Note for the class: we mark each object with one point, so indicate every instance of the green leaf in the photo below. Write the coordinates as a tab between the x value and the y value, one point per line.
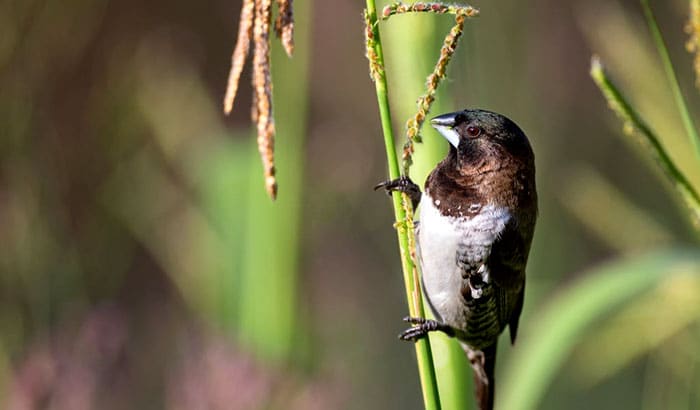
546	343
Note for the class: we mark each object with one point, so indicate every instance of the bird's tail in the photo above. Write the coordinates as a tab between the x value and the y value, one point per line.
484	365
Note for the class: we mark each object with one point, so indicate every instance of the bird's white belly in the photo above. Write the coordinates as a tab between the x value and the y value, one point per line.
441	238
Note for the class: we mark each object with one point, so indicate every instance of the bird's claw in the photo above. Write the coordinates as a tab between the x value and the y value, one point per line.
401	184
414	320
421	327
413	334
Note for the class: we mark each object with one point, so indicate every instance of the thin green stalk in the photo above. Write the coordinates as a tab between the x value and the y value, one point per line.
634	125
402	214
671	76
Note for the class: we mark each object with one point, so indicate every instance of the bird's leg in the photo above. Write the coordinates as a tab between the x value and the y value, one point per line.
483	363
402	184
478	362
421	327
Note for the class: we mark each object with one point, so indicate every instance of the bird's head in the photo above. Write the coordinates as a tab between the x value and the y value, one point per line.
478	136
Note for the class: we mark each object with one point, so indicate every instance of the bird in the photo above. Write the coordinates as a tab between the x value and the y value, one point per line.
476	222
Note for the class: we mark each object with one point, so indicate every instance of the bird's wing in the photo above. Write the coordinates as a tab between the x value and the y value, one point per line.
515	315
507	266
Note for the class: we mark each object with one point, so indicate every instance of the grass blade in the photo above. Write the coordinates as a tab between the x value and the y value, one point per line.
633	124
546	344
671	76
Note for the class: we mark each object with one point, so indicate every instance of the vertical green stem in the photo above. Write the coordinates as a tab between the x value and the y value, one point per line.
402	215
671	75
423	35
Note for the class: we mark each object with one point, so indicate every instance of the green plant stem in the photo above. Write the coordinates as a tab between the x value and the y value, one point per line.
411	43
402	213
634	124
671	76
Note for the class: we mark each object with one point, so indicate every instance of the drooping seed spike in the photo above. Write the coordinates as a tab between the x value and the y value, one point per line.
262	84
375	69
284	25
428	7
240	52
414	124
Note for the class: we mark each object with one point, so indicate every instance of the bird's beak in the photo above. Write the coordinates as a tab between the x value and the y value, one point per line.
445	125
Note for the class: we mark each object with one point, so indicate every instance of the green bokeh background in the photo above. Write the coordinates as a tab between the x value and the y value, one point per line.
142	265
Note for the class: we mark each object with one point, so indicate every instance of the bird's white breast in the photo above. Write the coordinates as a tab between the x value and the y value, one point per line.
441	238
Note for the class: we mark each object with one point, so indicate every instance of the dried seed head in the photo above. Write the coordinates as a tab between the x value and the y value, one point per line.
240	52
254	105
693	43
460	12
255	23
414	124
386	12
262	86
428	7
266	148
284	25
375	69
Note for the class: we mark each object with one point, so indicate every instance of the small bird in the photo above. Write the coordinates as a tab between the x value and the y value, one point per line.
476	222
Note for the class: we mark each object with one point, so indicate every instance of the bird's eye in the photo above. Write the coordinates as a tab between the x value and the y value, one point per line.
473	131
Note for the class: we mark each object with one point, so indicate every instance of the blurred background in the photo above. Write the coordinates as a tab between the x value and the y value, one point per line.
142	265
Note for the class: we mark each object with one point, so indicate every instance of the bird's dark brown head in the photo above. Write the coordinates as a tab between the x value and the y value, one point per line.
478	136
490	161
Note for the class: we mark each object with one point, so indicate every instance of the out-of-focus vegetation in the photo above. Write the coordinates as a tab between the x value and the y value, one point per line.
143	266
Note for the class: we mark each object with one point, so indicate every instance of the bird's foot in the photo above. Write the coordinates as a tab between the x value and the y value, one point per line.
421	327
402	184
